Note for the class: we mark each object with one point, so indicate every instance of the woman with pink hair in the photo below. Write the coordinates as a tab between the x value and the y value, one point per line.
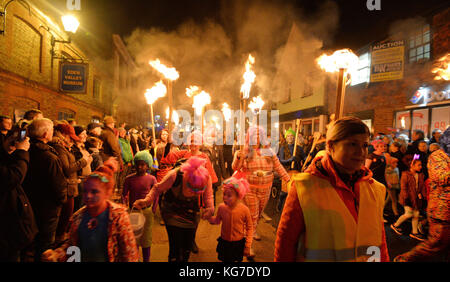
257	163
187	189
237	229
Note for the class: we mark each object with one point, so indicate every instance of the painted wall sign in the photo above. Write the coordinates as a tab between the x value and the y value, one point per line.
387	61
425	95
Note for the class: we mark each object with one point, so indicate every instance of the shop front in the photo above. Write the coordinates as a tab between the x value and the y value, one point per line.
429	109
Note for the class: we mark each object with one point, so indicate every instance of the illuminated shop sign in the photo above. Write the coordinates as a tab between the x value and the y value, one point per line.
425	95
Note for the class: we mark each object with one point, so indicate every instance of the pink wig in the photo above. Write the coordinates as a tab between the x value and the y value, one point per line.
240	185
194	169
376	142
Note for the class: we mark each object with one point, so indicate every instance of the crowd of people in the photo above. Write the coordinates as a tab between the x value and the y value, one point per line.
70	185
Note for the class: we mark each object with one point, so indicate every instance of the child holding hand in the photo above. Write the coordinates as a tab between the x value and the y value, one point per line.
237	229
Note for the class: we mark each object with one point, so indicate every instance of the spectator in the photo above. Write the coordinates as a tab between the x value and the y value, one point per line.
72	122
445	141
94	129
17	217
80	152
435	136
45	184
411	197
423	153
395	152
434	147
340	228
5	126
30	116
101	229
127	157
111	147
417	136
63	139
93	145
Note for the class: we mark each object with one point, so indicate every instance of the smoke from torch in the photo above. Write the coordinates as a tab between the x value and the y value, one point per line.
157	91
443	70
249	77
168	73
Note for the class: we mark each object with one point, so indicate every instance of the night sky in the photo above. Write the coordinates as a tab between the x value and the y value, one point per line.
357	25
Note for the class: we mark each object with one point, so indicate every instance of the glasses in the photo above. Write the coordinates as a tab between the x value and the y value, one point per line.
100	177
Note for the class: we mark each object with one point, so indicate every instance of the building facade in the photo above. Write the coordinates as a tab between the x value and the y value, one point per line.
397	88
41	69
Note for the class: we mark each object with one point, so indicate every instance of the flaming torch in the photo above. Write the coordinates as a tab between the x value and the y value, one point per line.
175	117
170	74
345	62
200	101
249	77
151	95
226	111
256	105
442	71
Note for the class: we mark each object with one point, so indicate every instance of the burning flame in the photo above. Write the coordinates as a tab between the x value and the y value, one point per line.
169	73
157	91
443	70
341	59
175	117
249	77
226	111
256	104
403	122
200	101
192	90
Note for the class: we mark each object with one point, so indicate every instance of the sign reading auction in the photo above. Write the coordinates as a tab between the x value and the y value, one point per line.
73	77
387	61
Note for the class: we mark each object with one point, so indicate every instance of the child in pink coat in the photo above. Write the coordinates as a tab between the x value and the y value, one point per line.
236	231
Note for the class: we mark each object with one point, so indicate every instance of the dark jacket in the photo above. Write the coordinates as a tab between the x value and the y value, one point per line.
45	183
215	155
70	165
16	215
111	146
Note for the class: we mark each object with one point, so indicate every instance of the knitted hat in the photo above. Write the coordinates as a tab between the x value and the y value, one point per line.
240	185
68	130
78	129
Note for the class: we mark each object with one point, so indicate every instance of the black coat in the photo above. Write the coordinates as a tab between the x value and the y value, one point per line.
16	215
45	183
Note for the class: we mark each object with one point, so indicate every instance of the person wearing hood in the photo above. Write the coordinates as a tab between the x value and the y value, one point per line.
334	210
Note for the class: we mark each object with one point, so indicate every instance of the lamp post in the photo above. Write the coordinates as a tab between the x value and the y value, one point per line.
343	61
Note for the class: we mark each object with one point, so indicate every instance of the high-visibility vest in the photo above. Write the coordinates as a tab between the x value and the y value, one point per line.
332	234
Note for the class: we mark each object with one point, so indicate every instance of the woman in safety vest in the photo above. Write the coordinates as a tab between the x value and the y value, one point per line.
334	211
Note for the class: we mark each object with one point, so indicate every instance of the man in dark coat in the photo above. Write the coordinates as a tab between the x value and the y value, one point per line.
16	216
44	184
111	147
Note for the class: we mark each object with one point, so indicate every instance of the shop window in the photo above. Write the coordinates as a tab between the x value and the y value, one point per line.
403	121
95	119
440	118
66	114
363	72
419	44
420	120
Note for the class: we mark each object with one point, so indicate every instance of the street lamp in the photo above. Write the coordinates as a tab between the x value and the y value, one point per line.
344	61
71	25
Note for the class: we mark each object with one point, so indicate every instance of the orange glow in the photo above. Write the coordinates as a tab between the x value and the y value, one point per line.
249	77
157	91
168	73
200	101
226	111
340	59
443	70
256	104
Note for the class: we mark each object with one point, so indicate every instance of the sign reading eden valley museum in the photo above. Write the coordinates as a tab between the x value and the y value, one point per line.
73	77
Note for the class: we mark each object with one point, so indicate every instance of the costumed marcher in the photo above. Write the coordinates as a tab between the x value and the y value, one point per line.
257	163
350	221
237	228
102	228
187	189
136	186
412	199
438	212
